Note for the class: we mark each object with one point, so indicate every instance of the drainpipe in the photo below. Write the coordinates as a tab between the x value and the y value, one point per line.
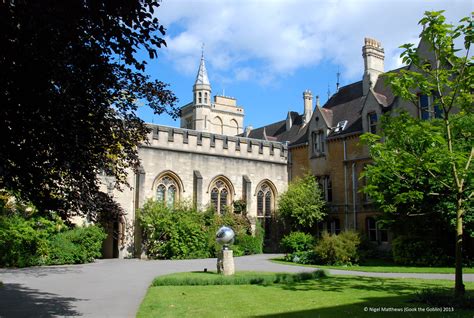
345	186
354	194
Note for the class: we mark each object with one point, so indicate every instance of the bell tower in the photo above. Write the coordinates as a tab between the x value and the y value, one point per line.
202	98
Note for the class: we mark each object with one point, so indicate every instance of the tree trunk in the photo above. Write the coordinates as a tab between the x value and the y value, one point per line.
459	288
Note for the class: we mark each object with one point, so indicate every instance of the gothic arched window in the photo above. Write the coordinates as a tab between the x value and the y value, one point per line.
265	200
205	98
220	196
167	190
200	98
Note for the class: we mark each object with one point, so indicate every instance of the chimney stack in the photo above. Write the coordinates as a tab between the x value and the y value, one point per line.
373	55
247	131
308	106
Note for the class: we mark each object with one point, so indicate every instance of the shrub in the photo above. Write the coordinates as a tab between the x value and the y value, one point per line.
341	249
418	251
248	244
76	246
297	242
304	257
24	239
173	233
183	232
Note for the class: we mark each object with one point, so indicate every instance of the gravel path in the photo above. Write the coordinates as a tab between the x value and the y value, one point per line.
115	288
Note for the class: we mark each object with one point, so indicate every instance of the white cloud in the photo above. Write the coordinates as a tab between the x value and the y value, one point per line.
265	40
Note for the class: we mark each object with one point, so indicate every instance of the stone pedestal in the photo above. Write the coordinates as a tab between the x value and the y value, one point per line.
225	262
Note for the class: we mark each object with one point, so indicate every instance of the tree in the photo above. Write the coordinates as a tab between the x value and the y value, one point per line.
303	203
70	83
448	77
399	180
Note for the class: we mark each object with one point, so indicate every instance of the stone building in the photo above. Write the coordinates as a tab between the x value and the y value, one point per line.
206	162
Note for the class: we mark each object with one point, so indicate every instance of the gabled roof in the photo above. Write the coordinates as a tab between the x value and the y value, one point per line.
277	131
345	104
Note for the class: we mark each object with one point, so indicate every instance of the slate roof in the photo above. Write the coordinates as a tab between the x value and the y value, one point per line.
277	131
345	104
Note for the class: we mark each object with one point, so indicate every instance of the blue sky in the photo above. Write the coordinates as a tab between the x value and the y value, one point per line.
266	53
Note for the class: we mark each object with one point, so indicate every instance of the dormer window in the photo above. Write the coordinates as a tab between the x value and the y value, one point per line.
340	126
372	122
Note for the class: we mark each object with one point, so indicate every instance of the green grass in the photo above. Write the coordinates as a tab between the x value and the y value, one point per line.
381	266
339	296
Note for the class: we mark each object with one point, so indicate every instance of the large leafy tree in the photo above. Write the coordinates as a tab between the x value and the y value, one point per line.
302	204
410	170
70	83
447	76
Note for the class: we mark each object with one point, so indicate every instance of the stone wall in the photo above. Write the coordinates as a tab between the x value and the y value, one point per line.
198	158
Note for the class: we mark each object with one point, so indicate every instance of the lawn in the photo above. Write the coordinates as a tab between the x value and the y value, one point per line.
339	296
382	266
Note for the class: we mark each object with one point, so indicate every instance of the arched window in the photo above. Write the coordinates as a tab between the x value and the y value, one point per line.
167	190
220	196
200	98
235	126
265	200
205	98
219	125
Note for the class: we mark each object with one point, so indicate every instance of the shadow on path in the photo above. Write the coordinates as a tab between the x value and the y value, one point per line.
19	301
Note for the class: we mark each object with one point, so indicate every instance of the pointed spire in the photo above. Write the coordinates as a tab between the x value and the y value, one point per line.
201	78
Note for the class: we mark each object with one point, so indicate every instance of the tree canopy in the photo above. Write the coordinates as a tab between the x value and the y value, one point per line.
302	203
446	74
70	84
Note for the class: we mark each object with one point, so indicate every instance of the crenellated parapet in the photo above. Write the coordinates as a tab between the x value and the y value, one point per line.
192	141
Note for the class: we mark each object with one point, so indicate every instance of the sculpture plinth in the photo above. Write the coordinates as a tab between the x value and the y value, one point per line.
225	257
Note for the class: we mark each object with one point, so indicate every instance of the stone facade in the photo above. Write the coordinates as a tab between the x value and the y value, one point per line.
204	168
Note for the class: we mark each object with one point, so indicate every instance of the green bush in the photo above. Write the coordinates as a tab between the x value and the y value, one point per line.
24	241
31	241
182	232
418	251
76	246
27	239
304	257
249	244
297	242
341	249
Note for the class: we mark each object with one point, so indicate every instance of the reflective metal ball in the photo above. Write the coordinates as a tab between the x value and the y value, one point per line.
225	235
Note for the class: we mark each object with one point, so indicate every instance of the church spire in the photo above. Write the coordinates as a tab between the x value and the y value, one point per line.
201	78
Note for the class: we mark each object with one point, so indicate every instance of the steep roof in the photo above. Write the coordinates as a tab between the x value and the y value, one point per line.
201	78
345	105
277	131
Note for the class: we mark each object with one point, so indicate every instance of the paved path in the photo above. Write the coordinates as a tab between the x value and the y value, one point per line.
115	288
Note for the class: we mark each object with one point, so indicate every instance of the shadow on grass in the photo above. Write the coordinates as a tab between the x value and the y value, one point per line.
364	284
384	307
19	301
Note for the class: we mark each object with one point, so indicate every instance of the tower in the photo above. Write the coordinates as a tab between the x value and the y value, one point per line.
202	98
